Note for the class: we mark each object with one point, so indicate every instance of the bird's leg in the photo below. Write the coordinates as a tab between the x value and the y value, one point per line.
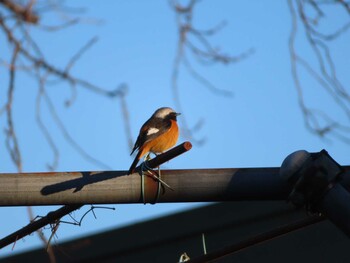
148	157
154	174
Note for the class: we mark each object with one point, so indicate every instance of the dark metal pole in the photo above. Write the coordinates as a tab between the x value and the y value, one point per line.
195	185
335	205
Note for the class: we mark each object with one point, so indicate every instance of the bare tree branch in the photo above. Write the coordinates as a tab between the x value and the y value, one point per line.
11	136
27	57
78	55
24	13
195	43
42	237
318	120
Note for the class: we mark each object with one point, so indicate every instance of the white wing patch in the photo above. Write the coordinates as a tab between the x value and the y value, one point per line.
152	131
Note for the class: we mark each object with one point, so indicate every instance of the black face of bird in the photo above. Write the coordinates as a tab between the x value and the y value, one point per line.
173	115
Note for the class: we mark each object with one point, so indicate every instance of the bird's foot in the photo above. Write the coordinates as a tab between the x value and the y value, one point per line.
148	157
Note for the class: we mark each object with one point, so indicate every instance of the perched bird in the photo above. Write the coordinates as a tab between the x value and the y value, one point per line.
157	134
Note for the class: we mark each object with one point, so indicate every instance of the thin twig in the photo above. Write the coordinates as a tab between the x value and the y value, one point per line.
11	136
68	137
43	127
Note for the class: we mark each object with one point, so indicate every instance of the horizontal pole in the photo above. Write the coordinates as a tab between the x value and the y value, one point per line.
193	185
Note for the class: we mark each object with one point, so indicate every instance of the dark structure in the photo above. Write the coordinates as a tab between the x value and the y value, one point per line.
243	230
223	224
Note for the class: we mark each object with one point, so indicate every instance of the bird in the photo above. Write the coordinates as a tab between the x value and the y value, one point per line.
158	134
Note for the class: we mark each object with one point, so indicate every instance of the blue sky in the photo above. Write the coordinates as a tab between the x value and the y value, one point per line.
257	127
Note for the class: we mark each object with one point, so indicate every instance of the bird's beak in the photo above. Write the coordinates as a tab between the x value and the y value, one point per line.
177	113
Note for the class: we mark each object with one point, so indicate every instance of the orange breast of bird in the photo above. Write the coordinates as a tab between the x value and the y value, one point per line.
164	141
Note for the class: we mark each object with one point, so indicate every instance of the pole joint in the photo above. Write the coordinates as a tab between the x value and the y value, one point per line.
313	176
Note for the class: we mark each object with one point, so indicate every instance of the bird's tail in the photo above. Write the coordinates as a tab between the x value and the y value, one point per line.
134	163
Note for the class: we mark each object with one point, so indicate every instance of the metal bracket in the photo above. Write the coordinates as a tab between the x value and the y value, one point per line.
313	179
